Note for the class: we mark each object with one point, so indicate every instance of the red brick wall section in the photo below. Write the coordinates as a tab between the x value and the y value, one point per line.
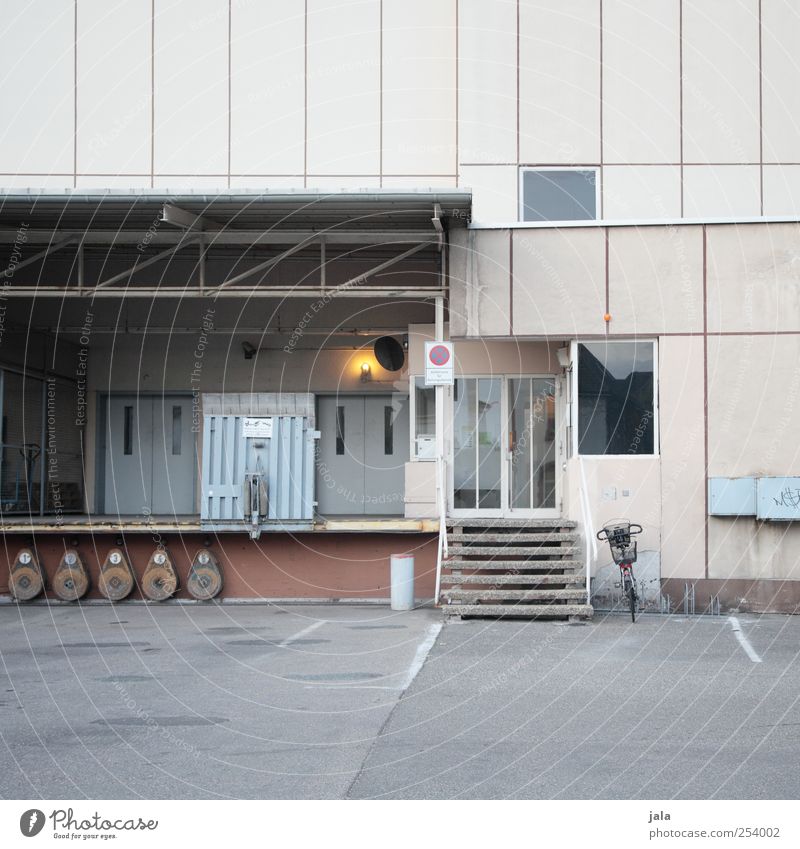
321	565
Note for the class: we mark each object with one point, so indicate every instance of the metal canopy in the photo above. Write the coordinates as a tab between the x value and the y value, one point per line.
97	244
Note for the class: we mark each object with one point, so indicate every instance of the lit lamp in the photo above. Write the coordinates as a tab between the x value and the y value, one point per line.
366	372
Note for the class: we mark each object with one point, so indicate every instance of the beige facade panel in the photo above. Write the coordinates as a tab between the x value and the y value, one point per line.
36	66
781	189
458	259
191	84
483	304
682	439
641	81
267	87
419	87
114	85
721	191
559	281
753	406
753	278
494	192
487	82
425	181
744	548
655	279
780	69
559	81
344	60
641	191
720	86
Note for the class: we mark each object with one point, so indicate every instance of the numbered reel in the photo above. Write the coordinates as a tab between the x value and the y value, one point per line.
116	576
160	580
26	579
71	580
205	576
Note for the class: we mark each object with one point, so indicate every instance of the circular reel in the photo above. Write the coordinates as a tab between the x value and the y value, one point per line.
205	576
116	576
25	576
159	581
71	580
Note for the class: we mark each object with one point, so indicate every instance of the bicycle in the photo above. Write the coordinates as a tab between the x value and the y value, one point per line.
623	550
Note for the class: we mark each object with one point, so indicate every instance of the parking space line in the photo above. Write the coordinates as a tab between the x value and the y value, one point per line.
423	649
300	634
743	641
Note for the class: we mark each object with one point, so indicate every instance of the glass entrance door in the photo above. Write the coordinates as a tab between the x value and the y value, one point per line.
504	446
531	443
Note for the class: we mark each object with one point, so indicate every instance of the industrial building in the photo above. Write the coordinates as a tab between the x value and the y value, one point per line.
229	242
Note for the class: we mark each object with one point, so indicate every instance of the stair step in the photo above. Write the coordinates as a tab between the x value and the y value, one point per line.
512	523
519	565
514	579
513	549
542	536
529	611
575	594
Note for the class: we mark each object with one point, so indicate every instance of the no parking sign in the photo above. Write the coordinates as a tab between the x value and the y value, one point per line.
438	363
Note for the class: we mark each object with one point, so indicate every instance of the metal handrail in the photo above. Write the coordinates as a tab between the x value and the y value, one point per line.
441	552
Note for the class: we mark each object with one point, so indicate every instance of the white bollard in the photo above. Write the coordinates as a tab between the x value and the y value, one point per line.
402	569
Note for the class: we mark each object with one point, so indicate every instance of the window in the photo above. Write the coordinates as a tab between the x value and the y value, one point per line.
127	431
340	430
176	429
388	431
559	195
616	398
424	420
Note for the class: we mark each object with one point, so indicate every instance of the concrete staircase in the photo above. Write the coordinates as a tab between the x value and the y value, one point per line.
514	567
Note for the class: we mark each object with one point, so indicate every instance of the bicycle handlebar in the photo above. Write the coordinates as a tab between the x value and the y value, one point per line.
602	535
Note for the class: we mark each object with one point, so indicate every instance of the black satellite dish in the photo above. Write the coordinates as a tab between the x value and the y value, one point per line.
389	353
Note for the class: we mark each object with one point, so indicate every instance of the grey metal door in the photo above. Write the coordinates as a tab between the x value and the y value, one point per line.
149	456
363	449
386	451
174	462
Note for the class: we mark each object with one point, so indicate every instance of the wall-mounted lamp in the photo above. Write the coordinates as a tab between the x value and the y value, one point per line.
249	350
563	356
366	372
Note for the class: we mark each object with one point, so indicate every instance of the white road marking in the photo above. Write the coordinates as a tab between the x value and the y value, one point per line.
743	641
289	640
423	650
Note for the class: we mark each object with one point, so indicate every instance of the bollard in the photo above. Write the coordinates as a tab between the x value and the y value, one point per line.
402	579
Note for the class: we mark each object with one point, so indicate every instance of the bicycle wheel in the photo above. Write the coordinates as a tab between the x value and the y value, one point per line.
632	599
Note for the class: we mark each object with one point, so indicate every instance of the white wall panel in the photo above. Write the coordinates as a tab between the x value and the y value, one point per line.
720	90
343	86
721	191
267	87
641	191
780	20
781	189
560	81
487	81
419	90
191	86
494	192
114	87
37	77
641	81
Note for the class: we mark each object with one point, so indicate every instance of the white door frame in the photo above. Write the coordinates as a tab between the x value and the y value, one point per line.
505	511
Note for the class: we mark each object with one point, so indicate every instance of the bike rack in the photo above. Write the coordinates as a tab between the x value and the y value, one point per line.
688	599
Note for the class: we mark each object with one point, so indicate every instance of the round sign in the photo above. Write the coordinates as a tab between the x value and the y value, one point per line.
439	355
